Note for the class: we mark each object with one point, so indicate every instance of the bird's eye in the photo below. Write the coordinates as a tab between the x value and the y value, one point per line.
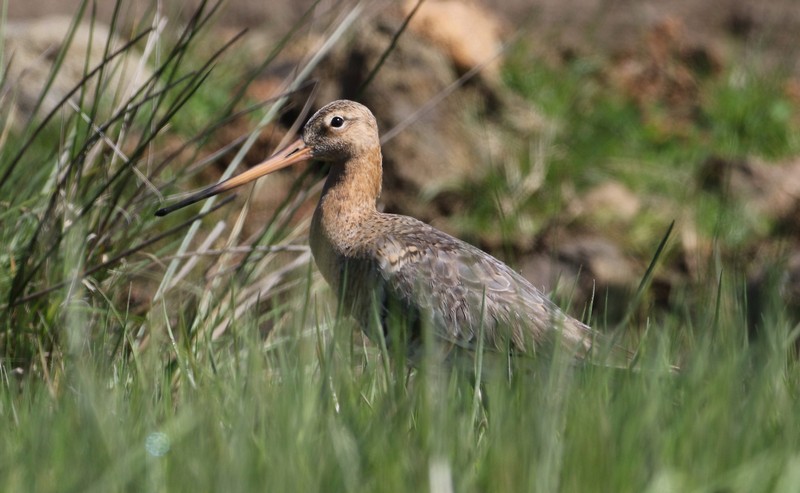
337	122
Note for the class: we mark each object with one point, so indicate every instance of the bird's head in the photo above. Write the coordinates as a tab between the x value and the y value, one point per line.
337	132
341	130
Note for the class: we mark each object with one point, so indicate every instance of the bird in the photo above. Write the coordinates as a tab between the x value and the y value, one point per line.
389	269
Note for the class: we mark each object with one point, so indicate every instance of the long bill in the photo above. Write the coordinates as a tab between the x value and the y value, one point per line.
295	152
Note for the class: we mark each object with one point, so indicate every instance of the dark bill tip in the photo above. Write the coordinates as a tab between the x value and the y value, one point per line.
291	154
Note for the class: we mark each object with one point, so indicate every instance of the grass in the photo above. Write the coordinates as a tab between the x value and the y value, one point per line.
239	376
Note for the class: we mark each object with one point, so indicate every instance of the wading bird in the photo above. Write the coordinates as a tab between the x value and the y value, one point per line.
385	265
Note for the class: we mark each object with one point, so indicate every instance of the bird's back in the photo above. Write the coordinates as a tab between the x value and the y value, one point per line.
451	287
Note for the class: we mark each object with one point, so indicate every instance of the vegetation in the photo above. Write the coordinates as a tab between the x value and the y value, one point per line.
146	354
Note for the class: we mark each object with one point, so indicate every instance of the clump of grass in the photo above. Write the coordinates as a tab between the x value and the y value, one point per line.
77	180
750	114
82	182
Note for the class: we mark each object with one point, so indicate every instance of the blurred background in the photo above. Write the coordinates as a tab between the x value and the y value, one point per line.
562	136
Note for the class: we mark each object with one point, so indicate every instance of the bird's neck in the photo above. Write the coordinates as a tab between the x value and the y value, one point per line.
353	187
346	207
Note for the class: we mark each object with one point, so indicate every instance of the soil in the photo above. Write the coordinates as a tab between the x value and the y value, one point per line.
569	26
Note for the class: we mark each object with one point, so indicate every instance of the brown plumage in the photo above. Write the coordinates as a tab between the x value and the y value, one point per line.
381	263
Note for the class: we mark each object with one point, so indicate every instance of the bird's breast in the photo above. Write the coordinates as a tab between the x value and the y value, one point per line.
325	255
340	246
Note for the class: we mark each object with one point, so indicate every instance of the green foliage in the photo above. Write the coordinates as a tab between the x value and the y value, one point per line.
607	132
285	418
748	114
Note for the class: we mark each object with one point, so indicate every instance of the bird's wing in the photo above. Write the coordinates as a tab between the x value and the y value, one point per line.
467	292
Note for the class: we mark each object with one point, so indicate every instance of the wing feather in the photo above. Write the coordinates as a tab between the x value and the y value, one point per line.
463	291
